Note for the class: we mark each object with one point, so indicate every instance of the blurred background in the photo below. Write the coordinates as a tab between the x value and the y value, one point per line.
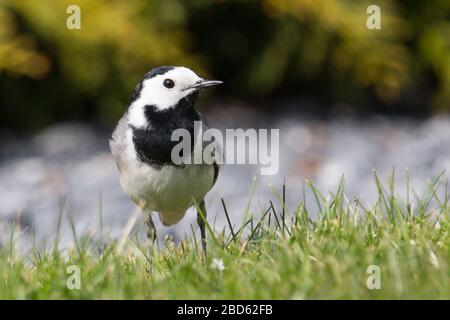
345	98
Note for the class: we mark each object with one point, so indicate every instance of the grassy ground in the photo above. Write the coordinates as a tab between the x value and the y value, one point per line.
283	254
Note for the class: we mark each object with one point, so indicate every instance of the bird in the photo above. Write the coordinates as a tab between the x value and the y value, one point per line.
141	146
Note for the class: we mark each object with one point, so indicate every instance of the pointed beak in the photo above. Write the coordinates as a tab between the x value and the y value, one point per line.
203	83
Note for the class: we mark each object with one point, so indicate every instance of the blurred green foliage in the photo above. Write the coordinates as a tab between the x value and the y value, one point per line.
261	49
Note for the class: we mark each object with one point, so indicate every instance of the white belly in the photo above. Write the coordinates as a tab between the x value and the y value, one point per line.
168	190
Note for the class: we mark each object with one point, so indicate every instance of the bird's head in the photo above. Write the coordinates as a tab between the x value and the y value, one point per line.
164	87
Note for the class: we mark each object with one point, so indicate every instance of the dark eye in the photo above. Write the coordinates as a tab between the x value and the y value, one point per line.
168	83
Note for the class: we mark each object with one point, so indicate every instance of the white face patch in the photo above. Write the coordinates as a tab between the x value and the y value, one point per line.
155	93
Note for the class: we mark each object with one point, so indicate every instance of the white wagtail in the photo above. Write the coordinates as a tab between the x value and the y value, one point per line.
141	146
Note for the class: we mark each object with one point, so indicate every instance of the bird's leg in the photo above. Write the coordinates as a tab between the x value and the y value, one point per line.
201	224
151	234
151	230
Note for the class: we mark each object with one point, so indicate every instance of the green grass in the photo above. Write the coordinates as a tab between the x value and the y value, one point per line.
283	254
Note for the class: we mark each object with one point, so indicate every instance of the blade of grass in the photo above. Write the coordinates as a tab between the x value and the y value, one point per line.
228	220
